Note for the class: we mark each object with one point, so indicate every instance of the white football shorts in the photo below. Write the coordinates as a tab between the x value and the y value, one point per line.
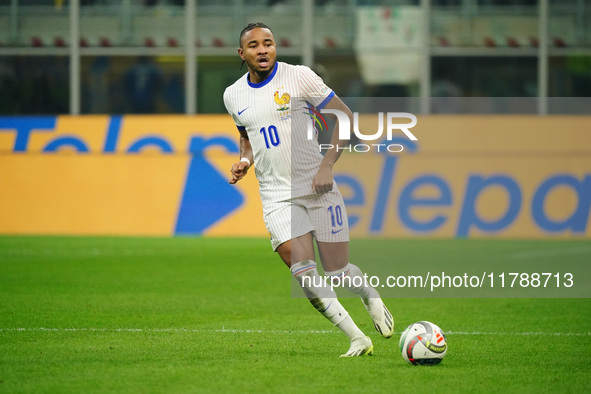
322	214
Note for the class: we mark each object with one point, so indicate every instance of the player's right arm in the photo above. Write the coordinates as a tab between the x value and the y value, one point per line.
240	168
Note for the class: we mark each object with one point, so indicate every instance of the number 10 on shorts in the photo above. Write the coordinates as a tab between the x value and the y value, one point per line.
336	215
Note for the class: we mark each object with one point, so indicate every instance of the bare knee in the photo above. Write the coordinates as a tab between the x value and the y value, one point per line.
297	249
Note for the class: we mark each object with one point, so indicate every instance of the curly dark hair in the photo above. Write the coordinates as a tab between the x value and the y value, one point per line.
249	27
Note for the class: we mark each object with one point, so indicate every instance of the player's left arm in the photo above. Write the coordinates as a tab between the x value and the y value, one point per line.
324	178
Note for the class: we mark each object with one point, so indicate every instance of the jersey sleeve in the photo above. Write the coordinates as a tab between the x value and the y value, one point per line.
313	88
229	108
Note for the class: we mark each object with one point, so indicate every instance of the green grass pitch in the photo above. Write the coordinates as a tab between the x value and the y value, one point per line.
185	315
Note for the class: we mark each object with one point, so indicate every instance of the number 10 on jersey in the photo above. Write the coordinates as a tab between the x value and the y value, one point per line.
271	135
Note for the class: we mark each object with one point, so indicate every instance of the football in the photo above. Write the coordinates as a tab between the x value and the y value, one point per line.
423	343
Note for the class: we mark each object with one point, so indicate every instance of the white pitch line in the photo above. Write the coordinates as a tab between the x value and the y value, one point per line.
222	330
533	333
243	331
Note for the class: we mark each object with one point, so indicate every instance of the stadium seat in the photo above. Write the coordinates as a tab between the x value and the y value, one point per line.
172	42
559	42
489	42
59	42
36	41
104	42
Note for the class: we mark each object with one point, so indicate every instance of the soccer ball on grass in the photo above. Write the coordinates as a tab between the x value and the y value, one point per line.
423	343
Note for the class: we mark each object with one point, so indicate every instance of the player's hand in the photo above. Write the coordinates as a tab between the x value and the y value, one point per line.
238	171
323	180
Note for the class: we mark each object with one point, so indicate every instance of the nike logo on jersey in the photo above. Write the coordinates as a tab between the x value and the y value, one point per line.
336	232
240	112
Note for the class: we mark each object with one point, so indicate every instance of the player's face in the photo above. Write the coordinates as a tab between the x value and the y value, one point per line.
258	50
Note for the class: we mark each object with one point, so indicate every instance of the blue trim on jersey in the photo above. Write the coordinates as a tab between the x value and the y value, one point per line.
241	128
266	81
325	101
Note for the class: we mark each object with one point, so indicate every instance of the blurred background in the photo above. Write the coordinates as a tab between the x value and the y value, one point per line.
177	56
115	170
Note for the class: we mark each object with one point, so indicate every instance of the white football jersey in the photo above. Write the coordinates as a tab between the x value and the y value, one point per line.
275	115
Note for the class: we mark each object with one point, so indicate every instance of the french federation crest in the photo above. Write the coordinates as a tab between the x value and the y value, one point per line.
283	103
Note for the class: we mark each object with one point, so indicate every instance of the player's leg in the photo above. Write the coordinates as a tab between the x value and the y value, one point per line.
350	277
297	249
298	254
332	235
321	296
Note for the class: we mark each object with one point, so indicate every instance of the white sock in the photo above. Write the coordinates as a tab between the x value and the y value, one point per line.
324	299
351	278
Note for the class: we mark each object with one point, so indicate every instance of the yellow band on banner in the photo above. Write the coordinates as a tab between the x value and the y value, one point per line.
466	176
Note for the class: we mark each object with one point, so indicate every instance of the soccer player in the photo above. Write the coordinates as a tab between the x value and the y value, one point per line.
301	201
